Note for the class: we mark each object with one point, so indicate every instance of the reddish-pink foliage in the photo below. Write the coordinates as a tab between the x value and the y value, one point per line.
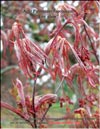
55	60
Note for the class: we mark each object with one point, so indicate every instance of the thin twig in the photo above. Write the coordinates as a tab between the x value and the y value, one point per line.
33	97
59	85
33	104
43	117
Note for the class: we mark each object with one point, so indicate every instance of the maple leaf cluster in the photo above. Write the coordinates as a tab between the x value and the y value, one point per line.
55	60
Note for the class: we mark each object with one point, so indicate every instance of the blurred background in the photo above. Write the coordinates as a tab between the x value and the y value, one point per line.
39	30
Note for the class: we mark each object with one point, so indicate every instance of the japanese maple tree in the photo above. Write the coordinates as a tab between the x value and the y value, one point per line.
71	54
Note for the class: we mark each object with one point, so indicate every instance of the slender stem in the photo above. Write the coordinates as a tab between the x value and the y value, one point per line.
33	104
59	85
43	117
33	97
